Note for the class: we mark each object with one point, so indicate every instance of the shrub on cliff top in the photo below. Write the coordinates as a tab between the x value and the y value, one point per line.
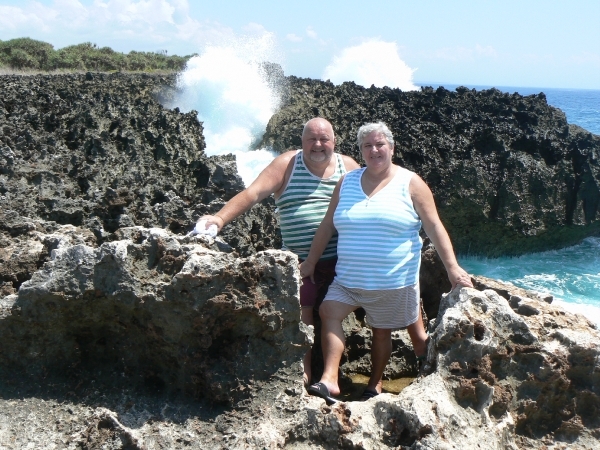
26	53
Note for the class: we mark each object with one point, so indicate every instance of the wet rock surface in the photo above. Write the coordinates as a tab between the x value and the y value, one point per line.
509	174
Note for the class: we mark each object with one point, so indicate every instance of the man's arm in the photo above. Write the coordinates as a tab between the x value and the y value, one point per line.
270	180
425	206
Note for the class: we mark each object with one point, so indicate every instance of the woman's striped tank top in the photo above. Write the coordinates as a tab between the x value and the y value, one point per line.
379	246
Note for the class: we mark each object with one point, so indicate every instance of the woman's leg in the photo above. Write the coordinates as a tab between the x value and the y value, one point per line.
381	351
332	341
418	336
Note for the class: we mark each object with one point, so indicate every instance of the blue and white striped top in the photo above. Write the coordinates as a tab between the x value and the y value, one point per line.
379	246
303	204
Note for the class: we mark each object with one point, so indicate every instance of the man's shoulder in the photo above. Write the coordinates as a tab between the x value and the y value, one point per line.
287	155
349	162
284	158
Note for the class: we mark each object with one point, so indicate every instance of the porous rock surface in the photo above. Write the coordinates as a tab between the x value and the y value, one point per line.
169	313
100	152
119	330
508	173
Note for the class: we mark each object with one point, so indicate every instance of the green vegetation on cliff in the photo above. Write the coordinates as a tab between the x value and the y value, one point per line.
29	54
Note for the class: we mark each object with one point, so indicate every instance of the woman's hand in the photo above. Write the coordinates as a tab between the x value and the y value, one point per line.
458	276
307	269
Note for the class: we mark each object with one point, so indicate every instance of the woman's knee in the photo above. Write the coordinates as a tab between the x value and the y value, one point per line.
330	310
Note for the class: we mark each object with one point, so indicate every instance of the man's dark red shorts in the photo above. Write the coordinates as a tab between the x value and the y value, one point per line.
312	294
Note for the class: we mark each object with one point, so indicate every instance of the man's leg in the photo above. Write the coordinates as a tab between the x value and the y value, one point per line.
311	296
418	336
381	350
332	341
308	319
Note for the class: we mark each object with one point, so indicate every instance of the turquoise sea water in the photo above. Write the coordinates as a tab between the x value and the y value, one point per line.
571	275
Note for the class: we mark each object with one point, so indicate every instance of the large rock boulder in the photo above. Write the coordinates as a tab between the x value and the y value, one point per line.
509	174
176	313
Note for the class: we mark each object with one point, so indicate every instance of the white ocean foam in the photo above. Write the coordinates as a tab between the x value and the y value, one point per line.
591	312
250	164
232	97
373	62
569	274
228	87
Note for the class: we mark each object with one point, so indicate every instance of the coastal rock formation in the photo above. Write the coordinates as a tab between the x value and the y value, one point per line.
167	311
120	330
161	313
98	151
509	174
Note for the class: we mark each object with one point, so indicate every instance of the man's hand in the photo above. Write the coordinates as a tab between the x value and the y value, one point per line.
213	220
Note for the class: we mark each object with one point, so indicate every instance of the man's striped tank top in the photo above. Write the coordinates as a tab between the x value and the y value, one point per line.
302	206
379	245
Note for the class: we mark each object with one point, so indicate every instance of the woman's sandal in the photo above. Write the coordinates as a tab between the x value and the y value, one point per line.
368	394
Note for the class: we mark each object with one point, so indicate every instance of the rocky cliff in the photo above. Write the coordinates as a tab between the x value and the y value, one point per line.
118	330
98	151
509	174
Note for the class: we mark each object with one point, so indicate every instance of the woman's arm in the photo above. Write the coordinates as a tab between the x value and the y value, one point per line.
425	206
322	236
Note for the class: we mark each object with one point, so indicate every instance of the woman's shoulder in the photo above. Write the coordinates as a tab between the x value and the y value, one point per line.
356	171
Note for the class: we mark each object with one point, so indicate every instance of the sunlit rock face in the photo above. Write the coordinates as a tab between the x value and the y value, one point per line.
176	312
186	314
500	379
508	173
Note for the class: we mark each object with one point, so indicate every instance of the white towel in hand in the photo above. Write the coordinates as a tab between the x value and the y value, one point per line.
200	228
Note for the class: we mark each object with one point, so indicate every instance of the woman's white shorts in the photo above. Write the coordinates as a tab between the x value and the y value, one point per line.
388	308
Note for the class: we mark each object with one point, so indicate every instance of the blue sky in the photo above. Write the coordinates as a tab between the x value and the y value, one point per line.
521	43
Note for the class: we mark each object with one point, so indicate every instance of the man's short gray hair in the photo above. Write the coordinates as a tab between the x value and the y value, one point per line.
378	127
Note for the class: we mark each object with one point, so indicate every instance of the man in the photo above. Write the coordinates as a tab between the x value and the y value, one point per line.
302	182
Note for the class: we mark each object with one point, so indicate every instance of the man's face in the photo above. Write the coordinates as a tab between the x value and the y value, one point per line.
318	141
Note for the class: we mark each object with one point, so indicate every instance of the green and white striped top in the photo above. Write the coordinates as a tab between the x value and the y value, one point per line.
303	205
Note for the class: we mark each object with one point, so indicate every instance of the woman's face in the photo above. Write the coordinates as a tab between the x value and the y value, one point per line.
376	150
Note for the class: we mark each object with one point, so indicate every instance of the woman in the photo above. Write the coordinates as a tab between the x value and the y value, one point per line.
377	211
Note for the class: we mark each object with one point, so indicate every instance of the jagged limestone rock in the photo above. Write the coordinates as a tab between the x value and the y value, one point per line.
155	306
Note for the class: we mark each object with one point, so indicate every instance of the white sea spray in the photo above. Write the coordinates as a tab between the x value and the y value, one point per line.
373	62
229	88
